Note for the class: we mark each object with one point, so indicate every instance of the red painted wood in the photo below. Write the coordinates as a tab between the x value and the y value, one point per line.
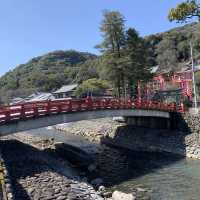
36	109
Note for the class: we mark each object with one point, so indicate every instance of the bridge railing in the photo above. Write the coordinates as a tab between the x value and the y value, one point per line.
41	108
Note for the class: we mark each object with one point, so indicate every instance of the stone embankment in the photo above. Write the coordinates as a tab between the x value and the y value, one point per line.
36	175
185	140
190	126
6	192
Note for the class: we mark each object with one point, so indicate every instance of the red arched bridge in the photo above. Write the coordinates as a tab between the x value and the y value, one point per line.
34	115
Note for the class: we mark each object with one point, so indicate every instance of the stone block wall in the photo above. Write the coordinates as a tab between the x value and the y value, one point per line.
183	139
190	125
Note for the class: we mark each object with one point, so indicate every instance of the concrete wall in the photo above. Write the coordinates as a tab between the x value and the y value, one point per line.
33	123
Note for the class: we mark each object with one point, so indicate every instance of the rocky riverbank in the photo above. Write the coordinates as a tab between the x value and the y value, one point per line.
185	140
36	175
189	126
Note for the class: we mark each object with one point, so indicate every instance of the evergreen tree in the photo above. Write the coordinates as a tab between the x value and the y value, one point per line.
185	11
113	32
137	58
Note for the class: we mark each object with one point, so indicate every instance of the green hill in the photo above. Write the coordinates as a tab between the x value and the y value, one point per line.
43	73
171	49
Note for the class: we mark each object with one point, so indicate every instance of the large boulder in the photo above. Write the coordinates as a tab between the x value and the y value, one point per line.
117	195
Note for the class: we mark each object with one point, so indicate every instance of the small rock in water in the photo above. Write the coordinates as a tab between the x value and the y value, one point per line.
117	195
139	189
61	198
101	188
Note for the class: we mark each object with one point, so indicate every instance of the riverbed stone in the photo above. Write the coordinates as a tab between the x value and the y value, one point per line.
117	195
61	198
139	189
101	188
30	190
107	194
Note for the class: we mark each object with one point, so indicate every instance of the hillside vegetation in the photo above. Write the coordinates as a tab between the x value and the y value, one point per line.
171	49
43	73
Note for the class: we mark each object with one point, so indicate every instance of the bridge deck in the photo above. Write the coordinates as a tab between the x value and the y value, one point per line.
40	114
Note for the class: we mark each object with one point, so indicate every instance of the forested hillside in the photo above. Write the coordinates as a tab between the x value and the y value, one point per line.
171	49
43	73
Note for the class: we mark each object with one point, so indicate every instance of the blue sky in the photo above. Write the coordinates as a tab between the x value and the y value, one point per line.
30	28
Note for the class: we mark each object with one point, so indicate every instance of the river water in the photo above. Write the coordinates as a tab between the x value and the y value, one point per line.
164	176
167	177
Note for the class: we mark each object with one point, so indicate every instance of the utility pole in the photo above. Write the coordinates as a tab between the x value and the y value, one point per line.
193	77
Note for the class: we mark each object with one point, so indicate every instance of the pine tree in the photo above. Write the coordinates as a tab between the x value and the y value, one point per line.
185	11
113	32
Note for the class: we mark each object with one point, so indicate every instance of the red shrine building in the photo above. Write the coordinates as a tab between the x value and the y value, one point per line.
169	86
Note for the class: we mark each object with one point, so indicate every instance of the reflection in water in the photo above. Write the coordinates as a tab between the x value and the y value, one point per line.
168	177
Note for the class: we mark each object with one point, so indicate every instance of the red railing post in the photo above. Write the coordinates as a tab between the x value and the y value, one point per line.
35	111
59	107
159	105
139	103
129	103
48	108
23	113
174	107
70	105
7	116
89	103
102	103
121	104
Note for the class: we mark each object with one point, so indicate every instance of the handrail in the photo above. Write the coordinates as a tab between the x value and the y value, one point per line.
42	108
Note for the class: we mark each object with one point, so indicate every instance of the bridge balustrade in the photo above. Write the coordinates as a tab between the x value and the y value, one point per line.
38	109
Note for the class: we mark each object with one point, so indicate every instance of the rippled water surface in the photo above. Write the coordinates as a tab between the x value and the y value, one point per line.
179	180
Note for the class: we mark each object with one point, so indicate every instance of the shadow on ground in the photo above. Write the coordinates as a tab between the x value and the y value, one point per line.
23	161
